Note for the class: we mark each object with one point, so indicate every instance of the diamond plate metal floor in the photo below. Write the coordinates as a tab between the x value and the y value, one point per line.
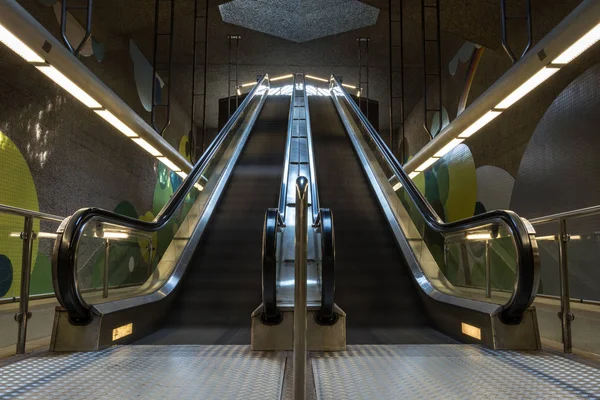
450	372
147	372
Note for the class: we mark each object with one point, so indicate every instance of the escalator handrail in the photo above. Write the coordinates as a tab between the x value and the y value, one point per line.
288	149
271	314
314	188
64	269
327	314
527	271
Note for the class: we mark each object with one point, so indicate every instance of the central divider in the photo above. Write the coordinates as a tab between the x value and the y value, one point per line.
300	288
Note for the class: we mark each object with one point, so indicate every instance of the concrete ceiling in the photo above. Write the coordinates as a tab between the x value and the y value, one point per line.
299	20
477	21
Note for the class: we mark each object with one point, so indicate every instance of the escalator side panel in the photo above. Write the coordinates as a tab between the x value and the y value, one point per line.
373	283
223	286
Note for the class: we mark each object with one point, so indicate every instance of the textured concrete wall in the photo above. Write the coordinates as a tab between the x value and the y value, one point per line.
260	53
75	158
503	141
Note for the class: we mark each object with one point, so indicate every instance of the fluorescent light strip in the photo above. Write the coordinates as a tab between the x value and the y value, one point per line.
170	164
479	236
68	85
426	164
396	186
527	87
448	148
13	43
480	123
316	78
147	146
349	86
413	174
549	237
199	187
182	174
281	77
586	41
248	84
239	92
114	121
113	235
46	235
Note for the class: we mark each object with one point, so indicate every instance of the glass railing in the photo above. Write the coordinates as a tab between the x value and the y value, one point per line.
491	257
98	248
568	302
25	274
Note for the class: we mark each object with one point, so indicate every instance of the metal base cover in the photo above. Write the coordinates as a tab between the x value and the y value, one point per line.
147	372
450	372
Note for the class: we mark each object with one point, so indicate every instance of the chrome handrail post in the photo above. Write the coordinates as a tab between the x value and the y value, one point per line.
106	262
488	270
565	300
23	315
300	311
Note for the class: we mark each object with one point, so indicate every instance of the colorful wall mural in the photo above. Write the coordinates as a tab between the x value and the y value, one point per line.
130	261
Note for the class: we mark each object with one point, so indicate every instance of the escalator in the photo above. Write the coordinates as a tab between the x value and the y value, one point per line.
222	285
388	280
368	260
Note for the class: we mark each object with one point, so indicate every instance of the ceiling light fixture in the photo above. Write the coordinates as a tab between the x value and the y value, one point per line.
281	78
68	85
13	43
169	164
147	146
586	41
114	121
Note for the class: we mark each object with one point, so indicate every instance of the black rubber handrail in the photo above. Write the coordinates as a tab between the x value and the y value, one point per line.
327	314
528	270
271	314
64	270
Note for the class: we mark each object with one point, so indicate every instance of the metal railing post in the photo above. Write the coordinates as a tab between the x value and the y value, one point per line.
23	315
105	274
488	271
300	288
565	300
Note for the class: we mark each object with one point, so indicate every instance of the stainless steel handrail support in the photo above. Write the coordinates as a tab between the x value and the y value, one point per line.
23	315
300	312
565	314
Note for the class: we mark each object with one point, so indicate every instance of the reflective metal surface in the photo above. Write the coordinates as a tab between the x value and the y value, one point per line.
144	306
300	306
412	221
450	372
148	372
414	216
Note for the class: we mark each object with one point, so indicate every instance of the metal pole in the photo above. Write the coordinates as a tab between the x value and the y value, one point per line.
565	304
488	279
23	315
105	279
228	76
391	136
205	74
367	61
237	82
300	288
192	137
